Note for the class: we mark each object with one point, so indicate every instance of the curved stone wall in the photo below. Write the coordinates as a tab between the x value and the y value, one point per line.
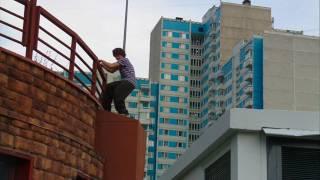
48	118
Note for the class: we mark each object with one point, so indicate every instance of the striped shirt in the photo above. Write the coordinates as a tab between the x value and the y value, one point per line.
127	71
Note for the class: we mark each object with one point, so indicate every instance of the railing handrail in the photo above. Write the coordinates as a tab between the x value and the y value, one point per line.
30	39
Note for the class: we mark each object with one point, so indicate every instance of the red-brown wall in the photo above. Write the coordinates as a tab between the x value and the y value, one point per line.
122	141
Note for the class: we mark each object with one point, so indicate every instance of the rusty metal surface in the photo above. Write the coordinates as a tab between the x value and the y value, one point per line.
122	142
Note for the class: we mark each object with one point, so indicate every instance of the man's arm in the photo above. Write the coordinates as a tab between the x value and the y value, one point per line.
110	67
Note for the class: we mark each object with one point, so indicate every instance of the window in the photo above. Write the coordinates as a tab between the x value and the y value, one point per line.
293	159
300	163
174	66
181	89
166	132
132	105
181	100
165	143
174	77
182	68
166	110
81	177
166	76
134	93
182	78
175	45
14	168
164	44
164	33
143	116
220	169
175	56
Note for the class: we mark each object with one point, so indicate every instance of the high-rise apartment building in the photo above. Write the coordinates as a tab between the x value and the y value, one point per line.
170	68
276	70
224	27
233	58
185	61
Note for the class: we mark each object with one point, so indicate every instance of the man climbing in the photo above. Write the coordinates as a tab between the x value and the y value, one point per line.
118	90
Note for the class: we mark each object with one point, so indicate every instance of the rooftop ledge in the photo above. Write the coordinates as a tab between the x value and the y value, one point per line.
271	122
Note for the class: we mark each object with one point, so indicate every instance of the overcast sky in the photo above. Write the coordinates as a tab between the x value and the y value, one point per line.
100	22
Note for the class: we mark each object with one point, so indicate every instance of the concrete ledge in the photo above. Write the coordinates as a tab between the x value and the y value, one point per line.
235	124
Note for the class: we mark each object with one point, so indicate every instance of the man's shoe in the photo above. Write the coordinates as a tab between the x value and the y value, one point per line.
127	115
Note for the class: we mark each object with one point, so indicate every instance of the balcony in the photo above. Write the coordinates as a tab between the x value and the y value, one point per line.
211	90
242	98
248	63
220	76
145	98
211	76
248	103
219	111
244	84
248	76
248	90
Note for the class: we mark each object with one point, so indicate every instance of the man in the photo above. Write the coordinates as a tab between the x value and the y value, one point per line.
118	90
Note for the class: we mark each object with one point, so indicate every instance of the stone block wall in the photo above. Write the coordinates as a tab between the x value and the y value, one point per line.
47	118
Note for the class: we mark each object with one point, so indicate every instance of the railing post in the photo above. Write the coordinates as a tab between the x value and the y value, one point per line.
31	27
72	58
26	23
94	77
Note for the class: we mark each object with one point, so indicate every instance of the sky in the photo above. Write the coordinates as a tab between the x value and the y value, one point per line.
100	22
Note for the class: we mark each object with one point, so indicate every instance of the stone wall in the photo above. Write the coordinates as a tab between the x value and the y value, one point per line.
48	118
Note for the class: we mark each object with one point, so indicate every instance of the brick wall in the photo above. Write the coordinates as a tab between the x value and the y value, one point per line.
47	117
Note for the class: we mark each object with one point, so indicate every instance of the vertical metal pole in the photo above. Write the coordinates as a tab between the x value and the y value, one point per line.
31	27
72	58
125	27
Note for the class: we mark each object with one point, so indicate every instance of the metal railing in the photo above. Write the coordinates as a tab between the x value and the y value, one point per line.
42	32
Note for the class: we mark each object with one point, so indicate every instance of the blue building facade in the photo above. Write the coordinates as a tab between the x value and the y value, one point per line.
240	80
210	69
170	71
